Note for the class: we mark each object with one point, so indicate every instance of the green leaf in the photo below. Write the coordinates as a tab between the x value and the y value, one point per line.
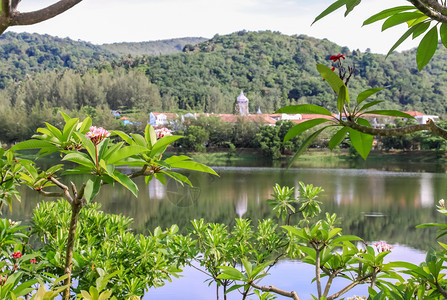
55	131
30	144
301	127
304	109
80	158
443	34
402	39
334	81
306	144
346	238
427	48
360	141
366	94
68	129
420	29
177	177
230	273
393	113
126	182
85	125
192	165
160	177
343	98
125	152
162	143
150	135
338	138
139	139
370	104
350	4
124	136
333	7
386	13
92	188
400	18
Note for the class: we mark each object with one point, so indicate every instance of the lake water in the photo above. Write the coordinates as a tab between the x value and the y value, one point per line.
373	204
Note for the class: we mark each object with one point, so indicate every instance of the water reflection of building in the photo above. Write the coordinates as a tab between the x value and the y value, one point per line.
426	192
157	190
242	204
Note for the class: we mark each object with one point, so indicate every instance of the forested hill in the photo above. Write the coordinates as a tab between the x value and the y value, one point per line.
272	69
169	46
275	70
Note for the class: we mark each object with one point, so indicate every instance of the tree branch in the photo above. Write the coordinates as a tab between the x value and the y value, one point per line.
349	287
11	17
430	126
429	9
66	192
6	9
271	288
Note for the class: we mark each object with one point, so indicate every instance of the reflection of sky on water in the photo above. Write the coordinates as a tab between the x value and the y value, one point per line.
287	275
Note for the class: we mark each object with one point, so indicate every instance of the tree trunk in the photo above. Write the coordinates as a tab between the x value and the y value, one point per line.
75	209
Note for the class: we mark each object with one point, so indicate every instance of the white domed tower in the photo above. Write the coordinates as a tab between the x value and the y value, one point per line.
242	105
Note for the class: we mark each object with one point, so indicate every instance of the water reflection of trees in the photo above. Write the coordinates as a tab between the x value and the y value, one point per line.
374	205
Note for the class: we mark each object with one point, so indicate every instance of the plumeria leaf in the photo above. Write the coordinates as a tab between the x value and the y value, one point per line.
393	113
427	48
91	189
126	152
139	139
333	7
306	144
420	28
177	177
343	98
331	77
366	94
304	109
68	129
338	138
124	136
85	125
443	34
402	39
370	104
386	13
350	4
160	177
160	146
362	142
150	135
126	182
300	128
30	144
192	165
400	18
80	158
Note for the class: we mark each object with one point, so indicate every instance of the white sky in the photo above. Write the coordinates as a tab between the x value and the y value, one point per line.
109	21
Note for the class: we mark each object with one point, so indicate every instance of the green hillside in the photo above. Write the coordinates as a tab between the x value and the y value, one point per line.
170	46
275	70
272	69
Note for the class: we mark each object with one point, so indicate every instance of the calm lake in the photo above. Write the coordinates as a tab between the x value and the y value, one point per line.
375	204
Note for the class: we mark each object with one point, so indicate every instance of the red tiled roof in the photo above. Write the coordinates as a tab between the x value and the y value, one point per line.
168	115
414	113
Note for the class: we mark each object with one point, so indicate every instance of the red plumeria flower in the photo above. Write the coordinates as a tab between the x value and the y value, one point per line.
15	267
97	134
33	261
16	255
337	57
333	68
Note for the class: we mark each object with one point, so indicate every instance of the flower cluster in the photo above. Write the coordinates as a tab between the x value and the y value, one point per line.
162	132
382	246
97	134
337	57
16	255
33	261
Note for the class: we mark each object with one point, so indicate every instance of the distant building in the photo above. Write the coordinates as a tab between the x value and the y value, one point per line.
161	119
422	118
242	105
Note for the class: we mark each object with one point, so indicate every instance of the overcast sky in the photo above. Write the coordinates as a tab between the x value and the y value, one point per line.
109	21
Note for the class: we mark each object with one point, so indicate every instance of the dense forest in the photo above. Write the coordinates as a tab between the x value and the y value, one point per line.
41	74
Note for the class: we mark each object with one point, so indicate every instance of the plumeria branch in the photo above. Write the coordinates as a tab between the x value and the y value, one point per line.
431	9
11	17
429	126
276	290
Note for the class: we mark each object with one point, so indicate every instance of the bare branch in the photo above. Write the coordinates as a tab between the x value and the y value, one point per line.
350	286
435	5
43	14
271	288
62	186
